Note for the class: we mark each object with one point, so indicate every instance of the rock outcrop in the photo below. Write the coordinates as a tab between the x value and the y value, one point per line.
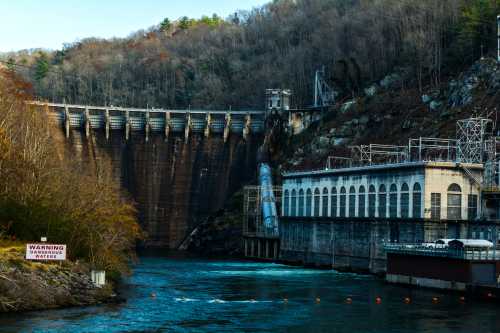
26	285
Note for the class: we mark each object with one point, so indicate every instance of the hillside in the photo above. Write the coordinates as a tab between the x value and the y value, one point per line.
388	116
214	62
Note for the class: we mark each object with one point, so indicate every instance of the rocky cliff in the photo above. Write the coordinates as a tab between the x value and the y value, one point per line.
390	113
221	233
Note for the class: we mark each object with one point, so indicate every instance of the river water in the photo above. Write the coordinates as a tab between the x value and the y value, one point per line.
198	295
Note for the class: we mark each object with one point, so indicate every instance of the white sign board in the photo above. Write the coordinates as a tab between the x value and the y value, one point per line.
45	252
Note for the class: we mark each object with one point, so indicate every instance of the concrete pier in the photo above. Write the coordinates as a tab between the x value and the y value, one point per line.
261	248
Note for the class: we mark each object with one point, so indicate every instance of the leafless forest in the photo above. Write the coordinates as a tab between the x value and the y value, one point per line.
214	62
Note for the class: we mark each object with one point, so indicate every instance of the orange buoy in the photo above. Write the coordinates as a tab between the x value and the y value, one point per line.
407	300
318	300
378	300
435	300
462	299
348	300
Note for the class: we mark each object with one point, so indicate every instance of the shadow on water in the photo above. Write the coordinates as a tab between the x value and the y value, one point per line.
192	294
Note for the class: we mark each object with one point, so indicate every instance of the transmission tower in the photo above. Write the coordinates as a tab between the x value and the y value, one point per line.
324	95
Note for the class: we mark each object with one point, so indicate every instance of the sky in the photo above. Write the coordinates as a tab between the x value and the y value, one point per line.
48	24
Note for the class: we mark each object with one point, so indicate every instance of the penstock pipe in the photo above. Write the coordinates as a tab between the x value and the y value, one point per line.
268	200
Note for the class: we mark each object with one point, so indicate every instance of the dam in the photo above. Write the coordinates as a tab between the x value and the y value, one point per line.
179	166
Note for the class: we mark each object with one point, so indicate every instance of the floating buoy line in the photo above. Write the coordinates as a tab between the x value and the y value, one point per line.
348	300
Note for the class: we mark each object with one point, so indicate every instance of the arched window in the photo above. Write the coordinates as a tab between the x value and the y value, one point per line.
317	198
333	203
324	203
393	201
361	202
308	202
382	201
454	202
405	201
301	202
286	203
342	202
417	201
371	201
352	202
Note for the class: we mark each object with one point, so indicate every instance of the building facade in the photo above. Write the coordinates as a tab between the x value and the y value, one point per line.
411	190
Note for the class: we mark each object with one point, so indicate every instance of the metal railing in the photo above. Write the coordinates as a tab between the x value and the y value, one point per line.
435	250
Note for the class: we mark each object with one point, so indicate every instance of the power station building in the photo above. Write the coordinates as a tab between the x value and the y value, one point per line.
417	190
429	179
343	215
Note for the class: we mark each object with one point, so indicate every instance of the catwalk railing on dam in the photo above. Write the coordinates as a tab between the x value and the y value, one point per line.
107	118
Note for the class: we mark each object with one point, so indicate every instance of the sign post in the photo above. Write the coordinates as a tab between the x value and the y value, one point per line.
46	251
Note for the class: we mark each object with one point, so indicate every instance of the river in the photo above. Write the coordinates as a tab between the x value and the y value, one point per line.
184	294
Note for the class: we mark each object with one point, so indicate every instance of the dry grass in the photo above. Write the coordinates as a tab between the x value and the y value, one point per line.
13	253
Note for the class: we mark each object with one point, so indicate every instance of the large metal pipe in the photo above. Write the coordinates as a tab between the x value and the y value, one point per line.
268	200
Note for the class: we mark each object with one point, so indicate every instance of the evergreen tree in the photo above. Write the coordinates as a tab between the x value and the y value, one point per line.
11	62
478	26
165	25
41	67
185	23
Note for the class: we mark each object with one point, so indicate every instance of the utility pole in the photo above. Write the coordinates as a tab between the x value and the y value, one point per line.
498	38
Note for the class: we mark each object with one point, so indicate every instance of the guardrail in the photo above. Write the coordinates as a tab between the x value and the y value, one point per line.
443	251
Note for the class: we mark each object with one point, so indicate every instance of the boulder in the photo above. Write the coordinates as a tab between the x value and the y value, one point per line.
323	142
338	141
364	120
435	105
391	81
426	98
485	72
371	90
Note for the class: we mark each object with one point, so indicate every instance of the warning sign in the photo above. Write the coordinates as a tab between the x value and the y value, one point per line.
45	252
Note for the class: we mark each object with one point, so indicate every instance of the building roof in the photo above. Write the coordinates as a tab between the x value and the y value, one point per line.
381	167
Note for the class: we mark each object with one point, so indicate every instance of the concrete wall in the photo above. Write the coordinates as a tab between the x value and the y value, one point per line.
437	180
357	243
175	183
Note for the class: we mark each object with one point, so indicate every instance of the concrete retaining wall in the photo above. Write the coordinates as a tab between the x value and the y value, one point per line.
357	244
425	282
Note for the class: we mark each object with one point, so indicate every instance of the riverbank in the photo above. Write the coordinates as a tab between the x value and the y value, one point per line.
207	295
27	285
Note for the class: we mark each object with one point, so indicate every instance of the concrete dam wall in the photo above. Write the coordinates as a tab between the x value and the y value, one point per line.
176	183
357	244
